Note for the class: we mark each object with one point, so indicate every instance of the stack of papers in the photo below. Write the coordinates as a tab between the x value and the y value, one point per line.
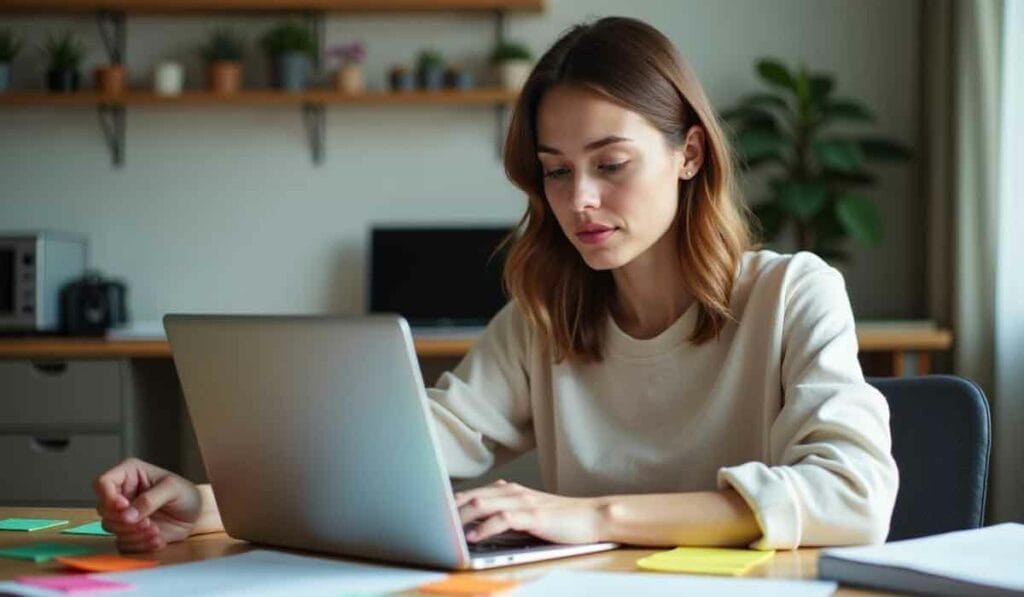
565	583
985	561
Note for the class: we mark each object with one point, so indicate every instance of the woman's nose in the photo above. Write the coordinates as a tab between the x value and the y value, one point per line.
585	194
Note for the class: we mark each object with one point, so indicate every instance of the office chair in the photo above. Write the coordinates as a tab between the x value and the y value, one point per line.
941	442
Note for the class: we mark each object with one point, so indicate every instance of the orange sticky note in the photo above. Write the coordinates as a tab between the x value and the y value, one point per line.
467	584
106	563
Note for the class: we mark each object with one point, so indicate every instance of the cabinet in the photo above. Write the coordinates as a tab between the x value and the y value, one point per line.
111	17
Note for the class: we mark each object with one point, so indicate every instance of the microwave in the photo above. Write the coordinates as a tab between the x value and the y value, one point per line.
34	266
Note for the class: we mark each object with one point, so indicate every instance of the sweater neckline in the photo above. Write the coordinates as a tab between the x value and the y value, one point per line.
620	343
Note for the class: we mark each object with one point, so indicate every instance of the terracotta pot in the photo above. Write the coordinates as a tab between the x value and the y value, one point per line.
224	77
349	79
110	80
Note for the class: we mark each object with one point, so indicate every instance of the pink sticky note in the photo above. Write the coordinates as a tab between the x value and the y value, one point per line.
72	583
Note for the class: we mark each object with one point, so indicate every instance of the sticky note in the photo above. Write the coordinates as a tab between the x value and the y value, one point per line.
29	524
74	583
106	562
465	584
92	528
704	560
44	552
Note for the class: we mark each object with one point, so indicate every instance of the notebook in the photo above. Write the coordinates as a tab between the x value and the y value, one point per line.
985	561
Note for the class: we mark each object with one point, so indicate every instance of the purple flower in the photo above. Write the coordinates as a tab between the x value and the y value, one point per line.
351	53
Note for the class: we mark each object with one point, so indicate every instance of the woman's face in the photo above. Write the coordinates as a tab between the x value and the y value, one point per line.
609	175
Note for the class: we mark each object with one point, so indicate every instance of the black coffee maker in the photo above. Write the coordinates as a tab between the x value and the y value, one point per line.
91	305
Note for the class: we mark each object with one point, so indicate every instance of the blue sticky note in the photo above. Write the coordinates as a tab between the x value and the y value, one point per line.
92	528
44	552
29	524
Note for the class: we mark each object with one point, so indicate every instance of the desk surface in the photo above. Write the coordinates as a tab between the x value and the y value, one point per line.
788	565
871	336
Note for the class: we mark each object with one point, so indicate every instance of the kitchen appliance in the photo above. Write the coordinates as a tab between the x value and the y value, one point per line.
91	305
34	266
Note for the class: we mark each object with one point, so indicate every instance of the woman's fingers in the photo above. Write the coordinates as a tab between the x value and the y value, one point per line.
498	488
518	520
119	527
482	507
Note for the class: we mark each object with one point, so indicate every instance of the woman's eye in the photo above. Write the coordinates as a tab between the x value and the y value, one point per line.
558	173
613	167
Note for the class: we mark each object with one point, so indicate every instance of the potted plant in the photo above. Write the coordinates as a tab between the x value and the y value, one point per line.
349	76
64	53
458	77
816	171
9	48
513	61
223	55
430	70
291	48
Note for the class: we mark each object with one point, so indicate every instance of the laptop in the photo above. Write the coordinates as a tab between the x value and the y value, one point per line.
316	435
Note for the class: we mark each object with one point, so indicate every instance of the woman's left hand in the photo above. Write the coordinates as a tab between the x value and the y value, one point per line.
503	506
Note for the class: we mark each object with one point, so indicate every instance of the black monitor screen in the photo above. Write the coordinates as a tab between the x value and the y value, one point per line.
437	276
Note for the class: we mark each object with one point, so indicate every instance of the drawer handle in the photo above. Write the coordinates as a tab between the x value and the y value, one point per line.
53	445
50	367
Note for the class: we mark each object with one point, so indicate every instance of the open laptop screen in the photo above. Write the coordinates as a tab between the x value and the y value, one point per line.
437	276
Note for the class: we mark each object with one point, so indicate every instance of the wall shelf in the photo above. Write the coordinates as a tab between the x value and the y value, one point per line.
175	6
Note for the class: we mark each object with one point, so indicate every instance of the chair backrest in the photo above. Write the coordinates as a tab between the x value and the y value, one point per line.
941	442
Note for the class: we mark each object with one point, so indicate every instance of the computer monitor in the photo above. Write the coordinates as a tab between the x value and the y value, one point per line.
437	276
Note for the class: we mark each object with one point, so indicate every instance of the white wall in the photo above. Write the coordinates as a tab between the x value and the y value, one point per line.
221	209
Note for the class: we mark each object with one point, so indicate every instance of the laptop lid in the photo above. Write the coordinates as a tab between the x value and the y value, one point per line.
316	435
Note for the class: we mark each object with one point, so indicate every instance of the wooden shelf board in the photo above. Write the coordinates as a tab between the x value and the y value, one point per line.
207	6
480	96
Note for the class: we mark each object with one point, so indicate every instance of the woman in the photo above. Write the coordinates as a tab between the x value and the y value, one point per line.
679	387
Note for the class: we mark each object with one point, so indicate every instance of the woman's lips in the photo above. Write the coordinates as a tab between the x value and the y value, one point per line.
595	236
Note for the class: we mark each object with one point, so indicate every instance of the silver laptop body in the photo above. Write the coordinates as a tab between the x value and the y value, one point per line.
316	435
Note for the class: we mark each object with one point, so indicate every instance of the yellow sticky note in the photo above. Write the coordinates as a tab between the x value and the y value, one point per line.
704	560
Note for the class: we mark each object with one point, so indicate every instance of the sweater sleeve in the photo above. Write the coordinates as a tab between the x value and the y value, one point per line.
831	479
481	410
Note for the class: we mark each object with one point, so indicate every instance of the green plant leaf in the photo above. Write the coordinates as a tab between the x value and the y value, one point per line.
758	143
838	154
860	218
774	73
821	86
859	178
801	199
848	110
767	100
884	150
751	117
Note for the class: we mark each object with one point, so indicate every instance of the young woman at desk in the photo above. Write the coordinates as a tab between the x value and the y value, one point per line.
678	386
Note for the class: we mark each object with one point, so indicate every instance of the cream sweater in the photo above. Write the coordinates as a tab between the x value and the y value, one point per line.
777	408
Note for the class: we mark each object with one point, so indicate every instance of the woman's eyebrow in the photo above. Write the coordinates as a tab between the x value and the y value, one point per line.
588	147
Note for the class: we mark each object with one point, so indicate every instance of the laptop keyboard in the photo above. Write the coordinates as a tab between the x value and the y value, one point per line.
508	541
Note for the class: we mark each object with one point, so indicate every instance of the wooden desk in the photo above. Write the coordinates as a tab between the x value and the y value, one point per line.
785	565
898	339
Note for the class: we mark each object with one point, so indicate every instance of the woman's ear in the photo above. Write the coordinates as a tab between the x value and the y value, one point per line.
692	153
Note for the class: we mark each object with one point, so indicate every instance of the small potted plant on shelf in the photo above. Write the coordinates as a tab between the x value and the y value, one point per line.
291	48
349	76
400	78
223	55
9	48
64	53
110	79
458	77
430	70
513	61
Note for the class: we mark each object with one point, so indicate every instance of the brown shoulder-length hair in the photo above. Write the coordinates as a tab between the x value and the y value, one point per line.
636	66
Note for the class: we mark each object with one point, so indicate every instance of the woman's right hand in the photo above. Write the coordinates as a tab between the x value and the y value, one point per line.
145	506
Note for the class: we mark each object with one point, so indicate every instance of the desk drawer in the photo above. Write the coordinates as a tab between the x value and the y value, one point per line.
51	394
54	469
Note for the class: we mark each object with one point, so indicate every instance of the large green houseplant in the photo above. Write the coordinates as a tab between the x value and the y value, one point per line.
816	171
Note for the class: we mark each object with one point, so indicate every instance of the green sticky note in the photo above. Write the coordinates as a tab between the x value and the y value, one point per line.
704	560
92	528
29	524
44	552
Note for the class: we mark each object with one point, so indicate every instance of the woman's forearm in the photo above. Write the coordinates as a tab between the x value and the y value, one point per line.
209	516
707	518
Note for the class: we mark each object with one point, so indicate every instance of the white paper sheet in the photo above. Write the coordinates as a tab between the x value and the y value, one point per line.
992	556
259	572
566	583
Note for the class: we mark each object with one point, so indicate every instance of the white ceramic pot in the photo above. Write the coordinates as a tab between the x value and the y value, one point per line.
349	79
169	78
513	73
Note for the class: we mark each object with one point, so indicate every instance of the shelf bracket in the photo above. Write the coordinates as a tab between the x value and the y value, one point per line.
314	117
112	31
499	27
112	122
500	128
317	26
